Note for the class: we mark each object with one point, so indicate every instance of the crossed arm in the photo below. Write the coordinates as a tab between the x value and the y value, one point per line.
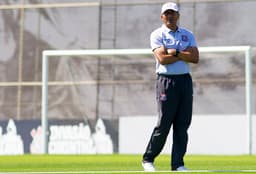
168	56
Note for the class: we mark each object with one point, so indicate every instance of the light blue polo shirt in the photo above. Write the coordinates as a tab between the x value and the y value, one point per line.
181	39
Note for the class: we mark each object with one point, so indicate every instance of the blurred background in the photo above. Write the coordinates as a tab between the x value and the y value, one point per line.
124	85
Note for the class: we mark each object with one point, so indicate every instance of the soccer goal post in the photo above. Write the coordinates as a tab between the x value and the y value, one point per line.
47	54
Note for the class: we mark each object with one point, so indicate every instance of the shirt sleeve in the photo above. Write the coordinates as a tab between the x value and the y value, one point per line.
155	40
192	40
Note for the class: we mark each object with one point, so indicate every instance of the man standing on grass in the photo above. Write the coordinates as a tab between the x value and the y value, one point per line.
174	48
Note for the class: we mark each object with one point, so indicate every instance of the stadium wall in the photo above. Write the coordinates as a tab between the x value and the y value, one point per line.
66	134
208	134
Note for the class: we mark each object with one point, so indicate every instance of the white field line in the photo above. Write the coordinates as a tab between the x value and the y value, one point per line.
139	171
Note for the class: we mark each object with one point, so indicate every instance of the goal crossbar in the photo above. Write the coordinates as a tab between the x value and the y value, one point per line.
108	52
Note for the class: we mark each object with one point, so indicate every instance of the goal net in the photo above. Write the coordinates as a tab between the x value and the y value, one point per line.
107	84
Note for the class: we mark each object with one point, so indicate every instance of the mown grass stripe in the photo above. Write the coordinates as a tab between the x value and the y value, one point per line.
115	172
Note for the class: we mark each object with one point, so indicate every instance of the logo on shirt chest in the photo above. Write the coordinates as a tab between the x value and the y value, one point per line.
169	41
184	38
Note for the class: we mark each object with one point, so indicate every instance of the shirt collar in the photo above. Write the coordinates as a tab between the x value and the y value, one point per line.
166	29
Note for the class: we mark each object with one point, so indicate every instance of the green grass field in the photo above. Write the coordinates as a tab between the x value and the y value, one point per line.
67	164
